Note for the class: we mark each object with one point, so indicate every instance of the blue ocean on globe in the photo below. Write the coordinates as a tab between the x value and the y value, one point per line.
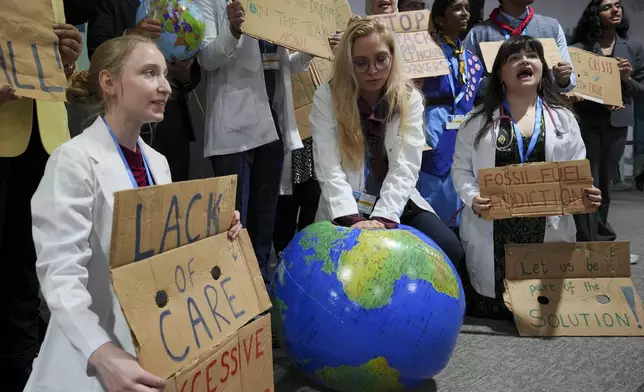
183	26
366	310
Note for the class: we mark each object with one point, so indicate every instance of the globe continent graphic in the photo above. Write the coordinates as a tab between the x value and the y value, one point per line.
366	310
182	29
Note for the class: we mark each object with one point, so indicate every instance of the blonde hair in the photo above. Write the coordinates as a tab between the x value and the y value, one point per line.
345	90
110	56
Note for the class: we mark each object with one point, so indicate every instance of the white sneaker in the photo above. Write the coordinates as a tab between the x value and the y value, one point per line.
634	258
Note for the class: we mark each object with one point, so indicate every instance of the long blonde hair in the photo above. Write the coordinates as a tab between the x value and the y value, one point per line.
345	90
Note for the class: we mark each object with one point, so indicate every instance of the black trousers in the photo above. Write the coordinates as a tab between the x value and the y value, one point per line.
433	227
19	318
604	148
171	137
259	172
295	212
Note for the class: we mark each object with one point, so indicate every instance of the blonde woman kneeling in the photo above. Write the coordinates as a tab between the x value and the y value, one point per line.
368	140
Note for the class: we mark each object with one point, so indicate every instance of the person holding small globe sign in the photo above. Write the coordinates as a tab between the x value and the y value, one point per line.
368	140
250	118
88	346
172	136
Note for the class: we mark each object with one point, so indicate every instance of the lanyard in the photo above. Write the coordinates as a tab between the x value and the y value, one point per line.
127	166
459	97
524	155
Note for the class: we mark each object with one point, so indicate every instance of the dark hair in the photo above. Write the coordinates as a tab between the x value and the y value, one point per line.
589	28
494	93
438	10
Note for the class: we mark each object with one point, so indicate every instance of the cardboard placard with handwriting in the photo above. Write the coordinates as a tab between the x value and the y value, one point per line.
188	293
572	289
422	55
152	220
300	25
29	57
490	49
303	88
536	189
598	77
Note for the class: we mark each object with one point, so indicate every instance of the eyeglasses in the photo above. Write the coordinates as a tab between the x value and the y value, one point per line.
380	63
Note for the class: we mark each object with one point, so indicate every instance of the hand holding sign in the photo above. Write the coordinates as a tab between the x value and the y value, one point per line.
120	372
6	94
562	71
235	227
480	204
70	43
236	15
592	197
625	69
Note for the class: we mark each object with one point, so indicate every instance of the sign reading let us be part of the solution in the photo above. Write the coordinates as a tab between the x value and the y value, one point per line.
572	289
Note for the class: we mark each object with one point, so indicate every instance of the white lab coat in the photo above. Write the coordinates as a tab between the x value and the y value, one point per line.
238	117
563	143
72	228
404	151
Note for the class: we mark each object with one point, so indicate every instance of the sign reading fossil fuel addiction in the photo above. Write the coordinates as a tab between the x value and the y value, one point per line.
535	189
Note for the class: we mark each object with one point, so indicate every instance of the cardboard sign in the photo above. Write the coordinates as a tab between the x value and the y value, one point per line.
536	189
550	52
243	362
185	306
572	289
598	77
29	57
182	303
303	88
422	55
301	25
152	220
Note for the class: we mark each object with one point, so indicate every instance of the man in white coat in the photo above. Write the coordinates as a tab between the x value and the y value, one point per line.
250	120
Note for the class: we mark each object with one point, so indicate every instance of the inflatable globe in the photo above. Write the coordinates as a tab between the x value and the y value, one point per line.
183	26
366	310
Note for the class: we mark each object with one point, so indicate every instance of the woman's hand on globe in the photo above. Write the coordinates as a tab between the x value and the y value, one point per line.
480	204
148	27
368	224
236	15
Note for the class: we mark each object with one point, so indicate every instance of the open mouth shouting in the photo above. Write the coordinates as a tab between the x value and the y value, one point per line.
525	73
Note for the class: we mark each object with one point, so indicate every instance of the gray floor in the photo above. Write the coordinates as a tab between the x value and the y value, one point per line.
491	357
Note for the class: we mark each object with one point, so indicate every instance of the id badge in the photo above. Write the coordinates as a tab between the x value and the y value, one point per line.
270	61
366	202
454	121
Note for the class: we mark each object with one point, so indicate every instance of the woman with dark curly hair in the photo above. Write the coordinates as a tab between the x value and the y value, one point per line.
603	29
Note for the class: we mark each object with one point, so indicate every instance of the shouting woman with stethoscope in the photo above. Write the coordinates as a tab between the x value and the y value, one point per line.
88	346
523	119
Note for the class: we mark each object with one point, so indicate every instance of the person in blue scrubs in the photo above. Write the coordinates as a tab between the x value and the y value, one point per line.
448	98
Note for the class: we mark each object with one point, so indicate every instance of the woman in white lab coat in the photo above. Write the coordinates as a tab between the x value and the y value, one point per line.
88	346
522	120
368	140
